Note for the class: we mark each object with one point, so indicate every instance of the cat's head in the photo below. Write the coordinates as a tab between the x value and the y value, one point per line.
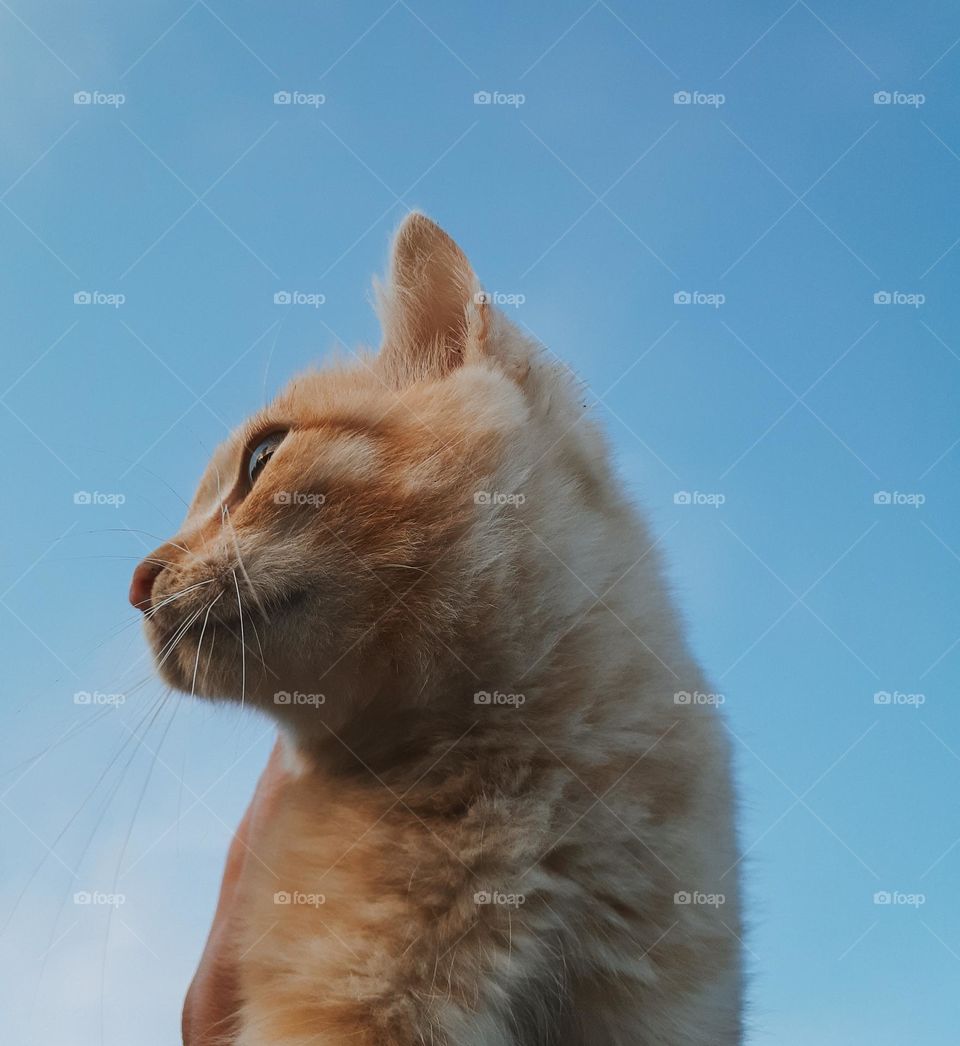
354	522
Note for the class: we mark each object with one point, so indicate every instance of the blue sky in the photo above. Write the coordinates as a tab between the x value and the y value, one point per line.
814	167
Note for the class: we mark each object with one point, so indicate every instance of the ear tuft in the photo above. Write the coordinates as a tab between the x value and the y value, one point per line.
432	314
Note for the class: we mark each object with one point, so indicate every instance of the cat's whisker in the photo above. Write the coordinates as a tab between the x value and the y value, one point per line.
139	685
66	736
176	595
50	851
405	566
156	755
160	655
243	647
117	630
196	664
82	559
223	507
72	732
147	533
250	588
129	622
213	643
123	849
257	653
151	711
145	654
276	338
180	633
256	633
178	636
136	464
243	567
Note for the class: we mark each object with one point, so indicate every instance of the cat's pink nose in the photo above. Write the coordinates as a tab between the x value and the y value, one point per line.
141	584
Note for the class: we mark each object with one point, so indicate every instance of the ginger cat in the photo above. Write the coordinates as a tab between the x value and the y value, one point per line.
506	828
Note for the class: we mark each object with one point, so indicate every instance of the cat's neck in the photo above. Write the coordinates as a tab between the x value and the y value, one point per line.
378	708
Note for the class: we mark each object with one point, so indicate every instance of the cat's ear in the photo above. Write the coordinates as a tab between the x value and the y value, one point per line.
433	315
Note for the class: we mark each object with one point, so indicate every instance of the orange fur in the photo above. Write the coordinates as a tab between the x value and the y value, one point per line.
441	521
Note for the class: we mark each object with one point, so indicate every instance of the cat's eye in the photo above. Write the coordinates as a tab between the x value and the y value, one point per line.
261	454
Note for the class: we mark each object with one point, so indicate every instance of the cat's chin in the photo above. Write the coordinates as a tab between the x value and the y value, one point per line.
302	715
207	659
224	677
176	672
211	670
